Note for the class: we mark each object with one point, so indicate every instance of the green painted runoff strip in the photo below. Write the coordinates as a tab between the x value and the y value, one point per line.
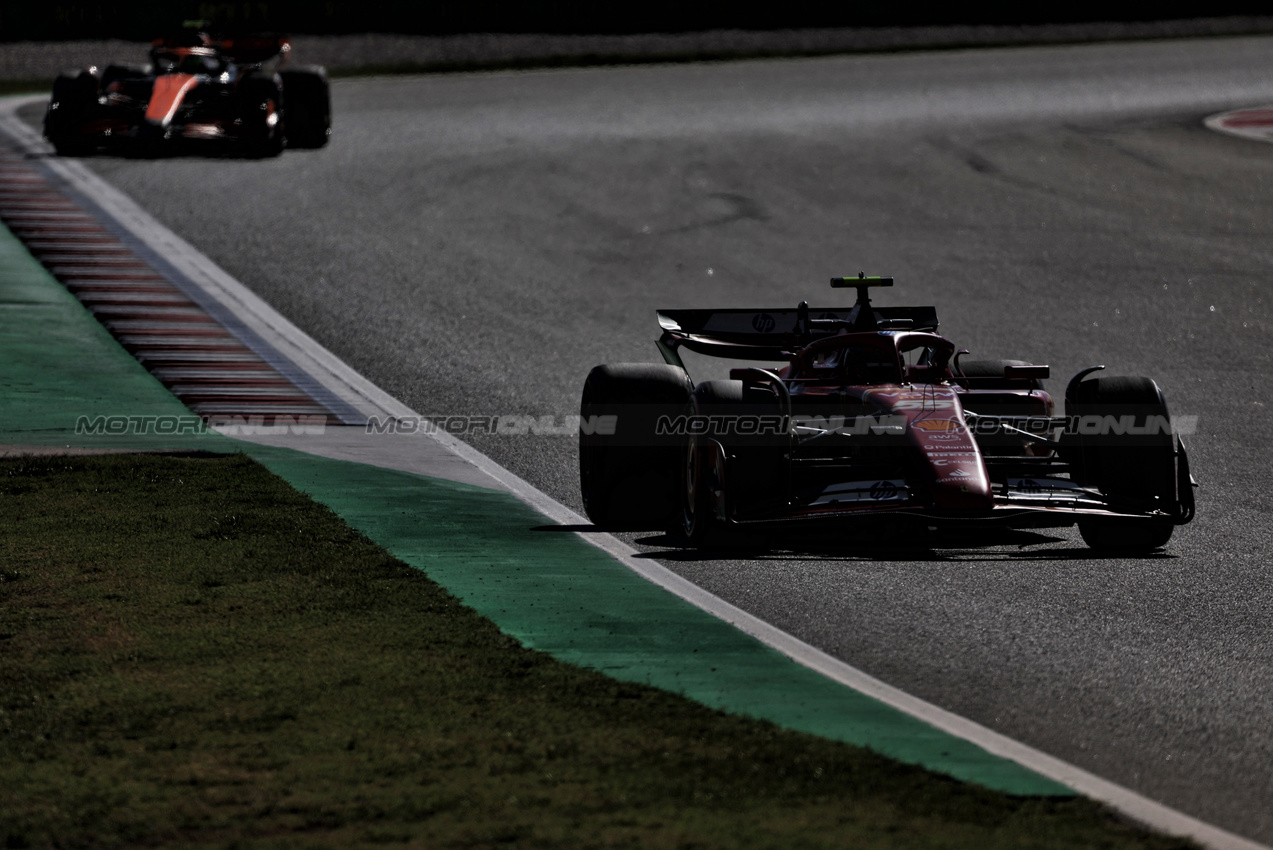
545	586
559	594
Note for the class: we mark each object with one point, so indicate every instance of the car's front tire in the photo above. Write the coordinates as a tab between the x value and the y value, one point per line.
628	472
261	101
74	98
725	463
700	478
1126	449
1130	536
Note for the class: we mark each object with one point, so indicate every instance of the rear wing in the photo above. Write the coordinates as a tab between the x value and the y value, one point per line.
744	334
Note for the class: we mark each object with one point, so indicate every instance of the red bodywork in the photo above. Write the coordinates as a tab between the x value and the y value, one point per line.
880	420
166	95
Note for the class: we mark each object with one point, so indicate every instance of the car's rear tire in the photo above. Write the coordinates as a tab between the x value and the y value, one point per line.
307	107
1137	470
998	395
629	477
990	375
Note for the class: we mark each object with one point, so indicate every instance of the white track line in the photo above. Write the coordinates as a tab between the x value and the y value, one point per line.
333	373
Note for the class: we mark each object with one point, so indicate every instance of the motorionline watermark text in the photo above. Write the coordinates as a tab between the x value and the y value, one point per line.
277	424
511	424
663	425
134	425
1086	425
682	425
895	424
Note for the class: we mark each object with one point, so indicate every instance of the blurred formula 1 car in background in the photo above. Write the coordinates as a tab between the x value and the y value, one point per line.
232	92
872	418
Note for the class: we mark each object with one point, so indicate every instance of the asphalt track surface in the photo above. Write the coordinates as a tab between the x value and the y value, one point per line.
475	243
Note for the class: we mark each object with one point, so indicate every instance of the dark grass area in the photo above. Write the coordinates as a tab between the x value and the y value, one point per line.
192	654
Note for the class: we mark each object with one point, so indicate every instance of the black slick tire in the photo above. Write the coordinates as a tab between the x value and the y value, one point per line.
74	99
307	107
629	473
258	97
699	478
721	462
1137	469
989	375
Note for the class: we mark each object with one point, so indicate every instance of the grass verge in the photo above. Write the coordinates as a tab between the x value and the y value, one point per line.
194	654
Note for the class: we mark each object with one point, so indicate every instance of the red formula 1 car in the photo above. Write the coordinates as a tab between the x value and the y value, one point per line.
235	92
873	415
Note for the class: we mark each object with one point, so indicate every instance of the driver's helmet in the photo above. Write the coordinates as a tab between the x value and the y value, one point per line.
188	52
186	60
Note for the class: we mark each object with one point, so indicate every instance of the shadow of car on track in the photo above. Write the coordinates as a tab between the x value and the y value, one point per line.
884	544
